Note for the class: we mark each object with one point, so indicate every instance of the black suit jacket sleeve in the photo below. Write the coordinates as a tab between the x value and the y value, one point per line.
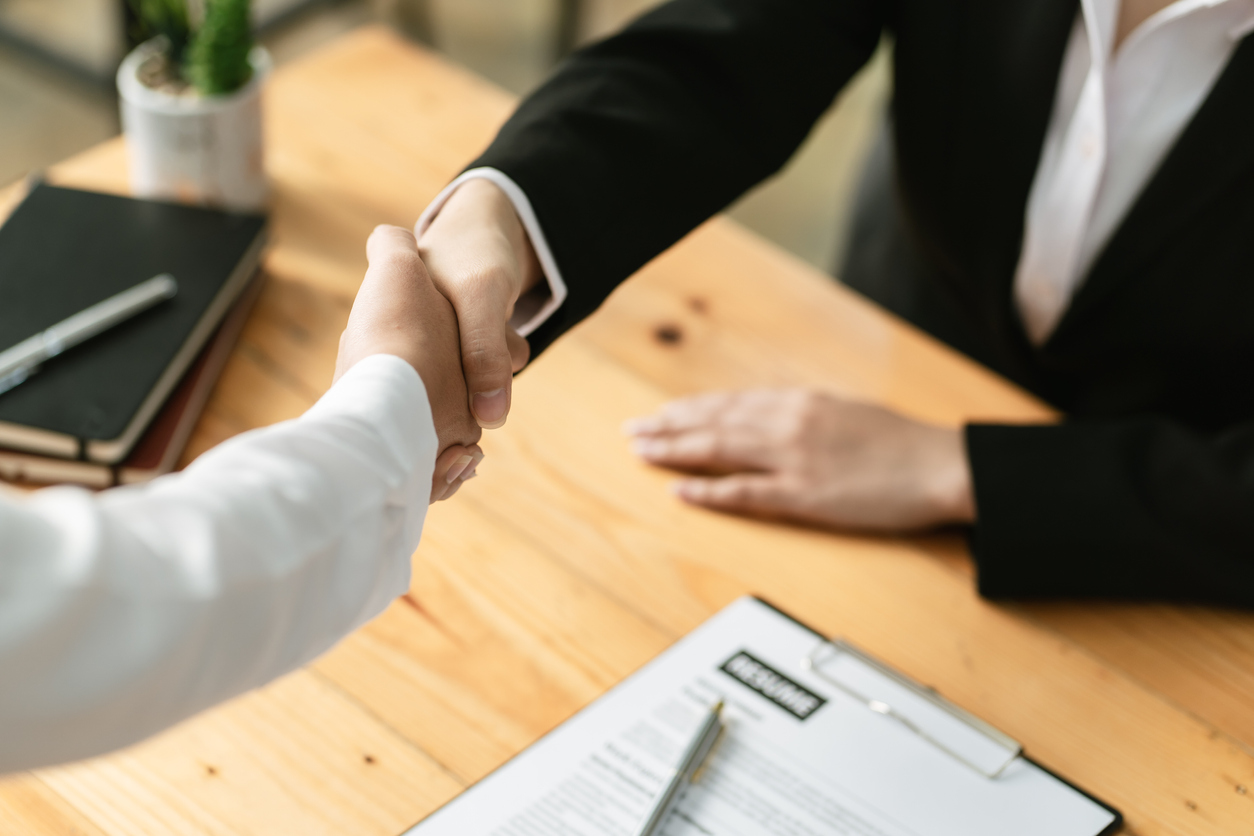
1135	509
640	138
637	140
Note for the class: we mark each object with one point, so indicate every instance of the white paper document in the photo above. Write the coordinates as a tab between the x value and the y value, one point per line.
799	756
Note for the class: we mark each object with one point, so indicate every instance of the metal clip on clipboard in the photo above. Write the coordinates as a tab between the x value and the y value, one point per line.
988	754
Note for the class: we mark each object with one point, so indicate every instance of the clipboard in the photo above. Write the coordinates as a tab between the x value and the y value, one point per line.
822	739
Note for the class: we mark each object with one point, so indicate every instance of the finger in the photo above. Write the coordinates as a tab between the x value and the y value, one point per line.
438	490
464	465
519	350
752	494
682	414
476	458
486	358
756	409
709	448
455	456
455	485
451	465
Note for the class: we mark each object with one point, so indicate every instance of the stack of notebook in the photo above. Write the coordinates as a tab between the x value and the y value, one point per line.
121	406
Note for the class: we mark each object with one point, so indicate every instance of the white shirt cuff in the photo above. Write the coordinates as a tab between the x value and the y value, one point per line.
386	393
525	320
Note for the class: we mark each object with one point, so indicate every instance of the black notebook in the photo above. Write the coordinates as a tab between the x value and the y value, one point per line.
63	250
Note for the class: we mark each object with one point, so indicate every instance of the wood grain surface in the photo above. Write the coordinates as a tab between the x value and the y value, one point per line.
567	564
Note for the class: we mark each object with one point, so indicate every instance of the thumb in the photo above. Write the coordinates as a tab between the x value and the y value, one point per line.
487	363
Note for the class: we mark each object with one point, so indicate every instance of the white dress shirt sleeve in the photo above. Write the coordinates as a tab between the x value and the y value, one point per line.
122	613
532	312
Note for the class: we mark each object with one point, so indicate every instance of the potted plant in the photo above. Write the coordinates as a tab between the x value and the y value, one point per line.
191	104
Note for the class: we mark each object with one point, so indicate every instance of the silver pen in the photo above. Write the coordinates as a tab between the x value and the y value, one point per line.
20	361
685	773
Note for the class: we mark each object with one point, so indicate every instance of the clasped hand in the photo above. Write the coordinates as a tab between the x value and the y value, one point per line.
399	311
445	302
444	305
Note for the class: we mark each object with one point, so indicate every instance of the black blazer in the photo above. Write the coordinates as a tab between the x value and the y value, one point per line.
1147	491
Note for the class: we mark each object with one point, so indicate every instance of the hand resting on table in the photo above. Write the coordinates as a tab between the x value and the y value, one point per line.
810	457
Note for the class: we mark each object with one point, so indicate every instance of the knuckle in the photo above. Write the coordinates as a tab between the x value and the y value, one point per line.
804	409
485	358
393	236
405	261
478	284
791	427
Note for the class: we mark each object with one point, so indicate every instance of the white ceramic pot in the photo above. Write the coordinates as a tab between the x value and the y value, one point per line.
192	148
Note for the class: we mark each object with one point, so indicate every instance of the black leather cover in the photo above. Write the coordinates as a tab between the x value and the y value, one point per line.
63	250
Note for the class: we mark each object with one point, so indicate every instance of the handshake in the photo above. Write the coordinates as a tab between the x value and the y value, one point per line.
443	304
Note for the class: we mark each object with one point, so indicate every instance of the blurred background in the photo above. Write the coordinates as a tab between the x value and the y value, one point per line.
57	95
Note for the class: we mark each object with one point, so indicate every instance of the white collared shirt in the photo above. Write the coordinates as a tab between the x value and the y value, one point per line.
123	612
1114	120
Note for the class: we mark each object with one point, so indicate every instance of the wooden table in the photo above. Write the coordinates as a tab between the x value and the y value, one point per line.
567	564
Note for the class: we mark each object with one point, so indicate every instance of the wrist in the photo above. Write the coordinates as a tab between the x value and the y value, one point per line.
953	489
480	218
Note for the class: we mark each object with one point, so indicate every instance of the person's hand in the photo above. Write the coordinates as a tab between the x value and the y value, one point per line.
453	468
480	258
399	311
810	457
